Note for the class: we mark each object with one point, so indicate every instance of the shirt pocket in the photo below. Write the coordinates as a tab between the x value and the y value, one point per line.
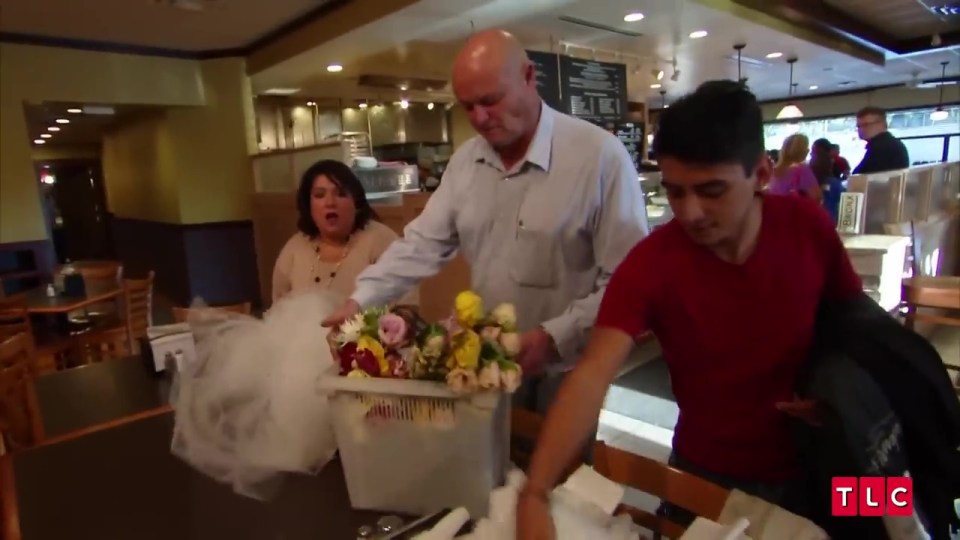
534	258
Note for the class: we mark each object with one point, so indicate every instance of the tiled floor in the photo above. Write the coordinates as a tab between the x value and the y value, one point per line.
655	442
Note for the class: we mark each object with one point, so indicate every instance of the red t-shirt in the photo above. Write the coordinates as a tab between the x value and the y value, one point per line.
734	336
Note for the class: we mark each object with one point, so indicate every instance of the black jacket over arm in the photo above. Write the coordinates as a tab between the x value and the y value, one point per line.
888	406
884	153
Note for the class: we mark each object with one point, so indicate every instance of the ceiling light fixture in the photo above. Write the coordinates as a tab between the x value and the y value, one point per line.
363	105
814	87
658	73
311	104
39	141
74	111
698	34
940	114
430	106
45	135
53	128
404	104
62	121
633	17
790	110
403	88
655	85
281	91
774	55
334	68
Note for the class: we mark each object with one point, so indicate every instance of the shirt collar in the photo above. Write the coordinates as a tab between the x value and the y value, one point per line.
540	147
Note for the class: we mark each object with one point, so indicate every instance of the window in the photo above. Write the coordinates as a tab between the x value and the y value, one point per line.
926	140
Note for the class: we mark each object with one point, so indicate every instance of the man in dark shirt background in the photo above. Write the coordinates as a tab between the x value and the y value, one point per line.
884	151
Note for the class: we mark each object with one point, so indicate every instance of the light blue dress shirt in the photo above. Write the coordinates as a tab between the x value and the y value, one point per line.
545	235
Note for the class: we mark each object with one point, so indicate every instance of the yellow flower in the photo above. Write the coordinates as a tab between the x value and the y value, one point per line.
469	308
370	344
466	350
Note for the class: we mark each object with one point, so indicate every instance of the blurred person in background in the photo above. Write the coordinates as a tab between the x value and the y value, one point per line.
791	174
841	167
884	151
822	163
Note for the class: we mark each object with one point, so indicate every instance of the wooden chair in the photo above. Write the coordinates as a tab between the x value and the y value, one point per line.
182	314
138	308
688	491
15	319
20	424
926	298
102	345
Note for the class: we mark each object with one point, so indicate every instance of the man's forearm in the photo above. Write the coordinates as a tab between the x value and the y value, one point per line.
571	419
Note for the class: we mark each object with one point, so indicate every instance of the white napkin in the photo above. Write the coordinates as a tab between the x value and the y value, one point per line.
705	529
591	486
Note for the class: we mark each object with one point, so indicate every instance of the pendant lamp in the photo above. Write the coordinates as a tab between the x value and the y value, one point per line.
940	113
790	110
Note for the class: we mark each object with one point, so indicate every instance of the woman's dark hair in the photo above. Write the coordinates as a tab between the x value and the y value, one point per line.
343	177
821	162
719	123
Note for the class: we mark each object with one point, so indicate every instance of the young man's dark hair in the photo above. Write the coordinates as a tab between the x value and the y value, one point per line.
720	122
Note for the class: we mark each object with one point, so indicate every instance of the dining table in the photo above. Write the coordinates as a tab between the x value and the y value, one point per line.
38	302
105	471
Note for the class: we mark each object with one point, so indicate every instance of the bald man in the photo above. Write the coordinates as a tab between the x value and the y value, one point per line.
543	207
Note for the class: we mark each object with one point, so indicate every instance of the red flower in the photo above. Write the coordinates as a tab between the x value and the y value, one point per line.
347	354
367	361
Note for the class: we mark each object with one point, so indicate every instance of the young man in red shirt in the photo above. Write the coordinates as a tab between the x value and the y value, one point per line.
730	287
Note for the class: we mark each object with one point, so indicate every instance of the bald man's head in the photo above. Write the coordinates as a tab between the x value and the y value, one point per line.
496	83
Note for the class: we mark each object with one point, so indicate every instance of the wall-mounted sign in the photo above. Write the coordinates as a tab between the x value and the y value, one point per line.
593	90
548	77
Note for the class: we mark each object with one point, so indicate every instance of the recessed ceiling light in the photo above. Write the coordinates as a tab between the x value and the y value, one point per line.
814	87
45	135
53	128
334	68
62	121
404	104
633	17
775	55
39	141
403	88
430	106
698	34
74	111
281	91
655	85
363	105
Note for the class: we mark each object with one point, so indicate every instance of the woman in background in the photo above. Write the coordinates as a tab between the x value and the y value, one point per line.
822	163
791	174
339	235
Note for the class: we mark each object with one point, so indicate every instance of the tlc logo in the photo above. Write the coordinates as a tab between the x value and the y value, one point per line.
872	496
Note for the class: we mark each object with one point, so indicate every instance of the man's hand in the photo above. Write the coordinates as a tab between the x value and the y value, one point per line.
804	409
536	349
344	312
533	518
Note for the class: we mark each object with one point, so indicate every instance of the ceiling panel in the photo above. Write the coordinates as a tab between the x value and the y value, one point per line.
903	19
82	129
218	24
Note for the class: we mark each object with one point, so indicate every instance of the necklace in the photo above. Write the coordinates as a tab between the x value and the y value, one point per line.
333	273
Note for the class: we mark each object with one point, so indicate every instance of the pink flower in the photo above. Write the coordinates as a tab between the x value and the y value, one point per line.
393	330
451	325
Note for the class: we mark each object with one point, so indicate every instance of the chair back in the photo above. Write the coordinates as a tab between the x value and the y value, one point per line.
182	314
138	308
20	424
102	345
695	494
97	270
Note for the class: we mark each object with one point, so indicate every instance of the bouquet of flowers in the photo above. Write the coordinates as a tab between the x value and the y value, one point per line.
471	350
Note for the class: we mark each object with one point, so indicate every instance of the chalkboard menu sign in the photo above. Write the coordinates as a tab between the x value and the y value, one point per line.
593	90
548	77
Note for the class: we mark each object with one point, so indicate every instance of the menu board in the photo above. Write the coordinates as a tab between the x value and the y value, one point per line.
593	90
548	77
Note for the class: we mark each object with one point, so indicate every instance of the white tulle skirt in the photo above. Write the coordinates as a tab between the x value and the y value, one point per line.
248	410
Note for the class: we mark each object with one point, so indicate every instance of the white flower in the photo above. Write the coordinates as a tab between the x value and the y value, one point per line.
489	378
433	348
506	316
350	330
511	343
462	381
510	379
490	333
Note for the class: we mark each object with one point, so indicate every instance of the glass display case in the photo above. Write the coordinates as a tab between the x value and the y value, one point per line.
655	199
